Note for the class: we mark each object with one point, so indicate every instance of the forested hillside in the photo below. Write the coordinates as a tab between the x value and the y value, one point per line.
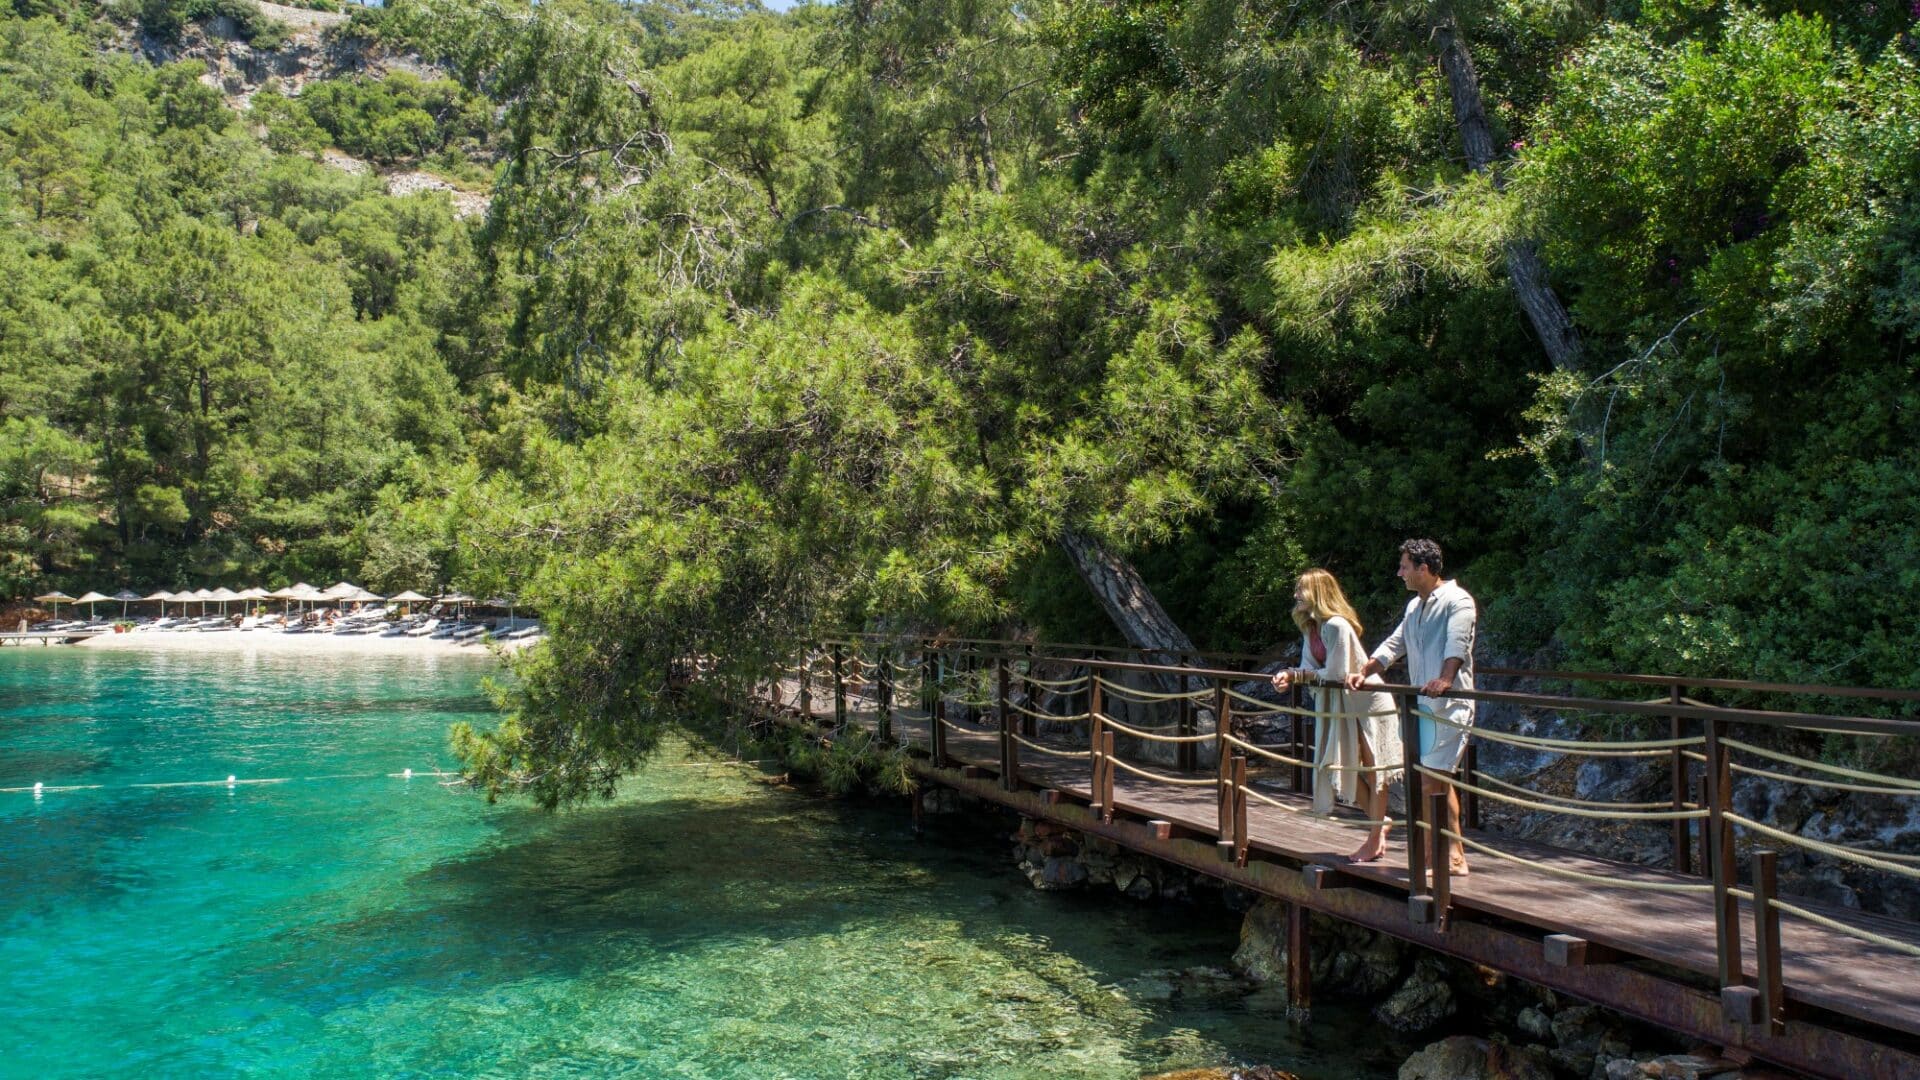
934	314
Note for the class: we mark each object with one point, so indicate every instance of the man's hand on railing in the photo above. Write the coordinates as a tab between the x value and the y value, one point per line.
1283	679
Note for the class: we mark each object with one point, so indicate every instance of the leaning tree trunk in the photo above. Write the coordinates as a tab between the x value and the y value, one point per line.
1126	599
1525	272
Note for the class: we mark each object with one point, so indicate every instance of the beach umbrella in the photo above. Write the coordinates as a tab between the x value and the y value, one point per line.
56	598
91	598
505	602
203	595
255	593
456	598
409	598
223	594
163	596
125	596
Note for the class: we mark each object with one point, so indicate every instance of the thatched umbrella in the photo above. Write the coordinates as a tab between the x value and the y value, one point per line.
125	596
90	599
56	598
163	596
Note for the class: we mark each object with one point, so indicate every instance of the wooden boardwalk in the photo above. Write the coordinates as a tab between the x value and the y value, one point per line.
1853	1007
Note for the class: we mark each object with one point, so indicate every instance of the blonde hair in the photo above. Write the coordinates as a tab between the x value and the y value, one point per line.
1324	601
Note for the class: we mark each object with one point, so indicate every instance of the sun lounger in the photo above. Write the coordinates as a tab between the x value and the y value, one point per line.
424	628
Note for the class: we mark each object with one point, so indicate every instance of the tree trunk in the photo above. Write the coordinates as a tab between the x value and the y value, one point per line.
1124	596
1525	272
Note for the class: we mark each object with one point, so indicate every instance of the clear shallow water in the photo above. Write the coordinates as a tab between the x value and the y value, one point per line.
348	922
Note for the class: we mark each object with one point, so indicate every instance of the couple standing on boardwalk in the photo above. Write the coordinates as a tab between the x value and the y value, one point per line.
1357	741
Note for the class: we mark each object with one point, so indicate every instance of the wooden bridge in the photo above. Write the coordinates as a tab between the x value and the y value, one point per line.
1694	946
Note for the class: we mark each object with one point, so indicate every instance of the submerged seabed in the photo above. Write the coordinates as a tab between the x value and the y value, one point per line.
351	922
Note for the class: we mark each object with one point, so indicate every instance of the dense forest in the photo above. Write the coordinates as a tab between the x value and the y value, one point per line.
934	315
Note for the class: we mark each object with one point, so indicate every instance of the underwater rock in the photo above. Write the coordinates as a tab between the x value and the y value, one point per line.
1464	1057
1425	999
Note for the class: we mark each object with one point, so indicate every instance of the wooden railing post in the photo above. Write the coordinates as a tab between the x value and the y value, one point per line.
1437	851
1416	852
1009	757
937	724
1223	763
1295	695
1720	856
883	690
1701	865
1186	756
806	688
1096	741
1766	942
1677	767
1027	723
839	686
1106	799
1470	802
1240	838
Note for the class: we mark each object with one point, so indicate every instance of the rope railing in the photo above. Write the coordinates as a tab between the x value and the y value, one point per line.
1051	684
1634	748
1570	800
1044	749
1250	792
1267	708
1837	926
1149	736
1837	851
1575	811
1575	875
1149	697
1072	718
1177	781
1911	787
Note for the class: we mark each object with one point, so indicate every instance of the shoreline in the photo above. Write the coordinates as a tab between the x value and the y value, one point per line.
240	641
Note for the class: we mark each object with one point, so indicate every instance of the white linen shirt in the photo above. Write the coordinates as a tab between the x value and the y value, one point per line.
1433	631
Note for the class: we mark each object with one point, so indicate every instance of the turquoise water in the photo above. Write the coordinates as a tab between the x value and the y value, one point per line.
348	922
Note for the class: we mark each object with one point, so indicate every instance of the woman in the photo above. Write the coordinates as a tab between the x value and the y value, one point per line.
1365	732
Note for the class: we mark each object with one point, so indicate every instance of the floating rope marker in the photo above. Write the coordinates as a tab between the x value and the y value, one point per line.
230	781
406	774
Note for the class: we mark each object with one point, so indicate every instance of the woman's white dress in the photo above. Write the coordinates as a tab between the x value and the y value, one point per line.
1371	715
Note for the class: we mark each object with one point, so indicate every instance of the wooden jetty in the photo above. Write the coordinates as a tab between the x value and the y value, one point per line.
72	637
1695	946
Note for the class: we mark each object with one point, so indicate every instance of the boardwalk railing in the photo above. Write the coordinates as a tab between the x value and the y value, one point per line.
1054	707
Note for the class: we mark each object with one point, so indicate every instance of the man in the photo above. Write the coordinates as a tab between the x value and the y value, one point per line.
1436	637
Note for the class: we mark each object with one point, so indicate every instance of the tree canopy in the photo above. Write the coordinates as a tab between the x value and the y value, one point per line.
884	315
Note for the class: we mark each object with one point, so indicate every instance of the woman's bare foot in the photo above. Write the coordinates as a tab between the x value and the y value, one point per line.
1457	867
1371	851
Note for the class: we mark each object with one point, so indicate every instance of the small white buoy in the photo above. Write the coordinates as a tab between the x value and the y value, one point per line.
230	781
37	785
406	774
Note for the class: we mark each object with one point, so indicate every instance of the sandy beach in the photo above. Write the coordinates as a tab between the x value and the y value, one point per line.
272	641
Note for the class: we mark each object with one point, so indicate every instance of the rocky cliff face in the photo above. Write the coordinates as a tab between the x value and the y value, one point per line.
315	50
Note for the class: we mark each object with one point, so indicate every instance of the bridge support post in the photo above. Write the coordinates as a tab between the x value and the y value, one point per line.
1720	856
1299	965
